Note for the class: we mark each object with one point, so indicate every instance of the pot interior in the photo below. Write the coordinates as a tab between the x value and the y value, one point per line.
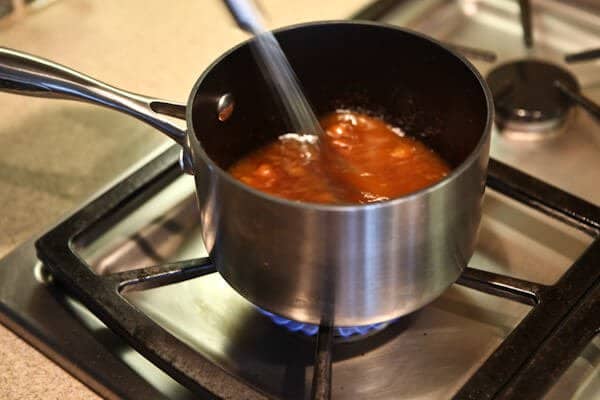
410	81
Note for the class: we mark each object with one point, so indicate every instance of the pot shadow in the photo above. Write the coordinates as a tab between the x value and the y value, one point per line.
279	362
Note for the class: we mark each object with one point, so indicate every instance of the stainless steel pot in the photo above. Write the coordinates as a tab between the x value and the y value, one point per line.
341	264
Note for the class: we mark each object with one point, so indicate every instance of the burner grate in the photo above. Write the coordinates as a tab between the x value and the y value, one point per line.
564	313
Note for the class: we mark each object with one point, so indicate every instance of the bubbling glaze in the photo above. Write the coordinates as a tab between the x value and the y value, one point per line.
359	159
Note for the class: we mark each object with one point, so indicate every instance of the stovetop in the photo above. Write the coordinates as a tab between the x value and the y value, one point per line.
429	354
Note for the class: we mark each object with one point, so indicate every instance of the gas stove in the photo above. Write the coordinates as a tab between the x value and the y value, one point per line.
127	300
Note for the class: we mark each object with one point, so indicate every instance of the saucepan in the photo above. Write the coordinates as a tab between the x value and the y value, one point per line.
346	265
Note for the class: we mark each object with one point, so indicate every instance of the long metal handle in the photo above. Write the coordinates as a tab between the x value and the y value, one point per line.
25	74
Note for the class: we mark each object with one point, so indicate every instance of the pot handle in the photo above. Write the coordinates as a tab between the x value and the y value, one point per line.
24	74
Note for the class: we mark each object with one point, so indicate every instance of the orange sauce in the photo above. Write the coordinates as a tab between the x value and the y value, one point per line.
359	159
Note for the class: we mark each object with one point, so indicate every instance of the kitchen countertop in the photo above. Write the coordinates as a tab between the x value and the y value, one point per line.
56	154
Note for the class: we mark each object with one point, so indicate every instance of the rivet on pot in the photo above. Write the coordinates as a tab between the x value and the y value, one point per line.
225	107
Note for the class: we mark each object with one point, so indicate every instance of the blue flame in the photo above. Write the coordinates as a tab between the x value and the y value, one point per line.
311	330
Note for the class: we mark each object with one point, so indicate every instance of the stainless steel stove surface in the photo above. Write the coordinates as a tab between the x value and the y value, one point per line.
427	355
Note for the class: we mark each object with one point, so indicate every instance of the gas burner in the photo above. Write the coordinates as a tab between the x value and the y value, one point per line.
342	334
528	103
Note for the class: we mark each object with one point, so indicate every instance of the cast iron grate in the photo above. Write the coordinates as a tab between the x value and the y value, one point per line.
562	321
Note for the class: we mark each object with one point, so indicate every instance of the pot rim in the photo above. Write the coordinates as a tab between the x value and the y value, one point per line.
455	173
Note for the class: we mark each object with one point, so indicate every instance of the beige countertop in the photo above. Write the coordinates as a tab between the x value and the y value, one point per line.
56	154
